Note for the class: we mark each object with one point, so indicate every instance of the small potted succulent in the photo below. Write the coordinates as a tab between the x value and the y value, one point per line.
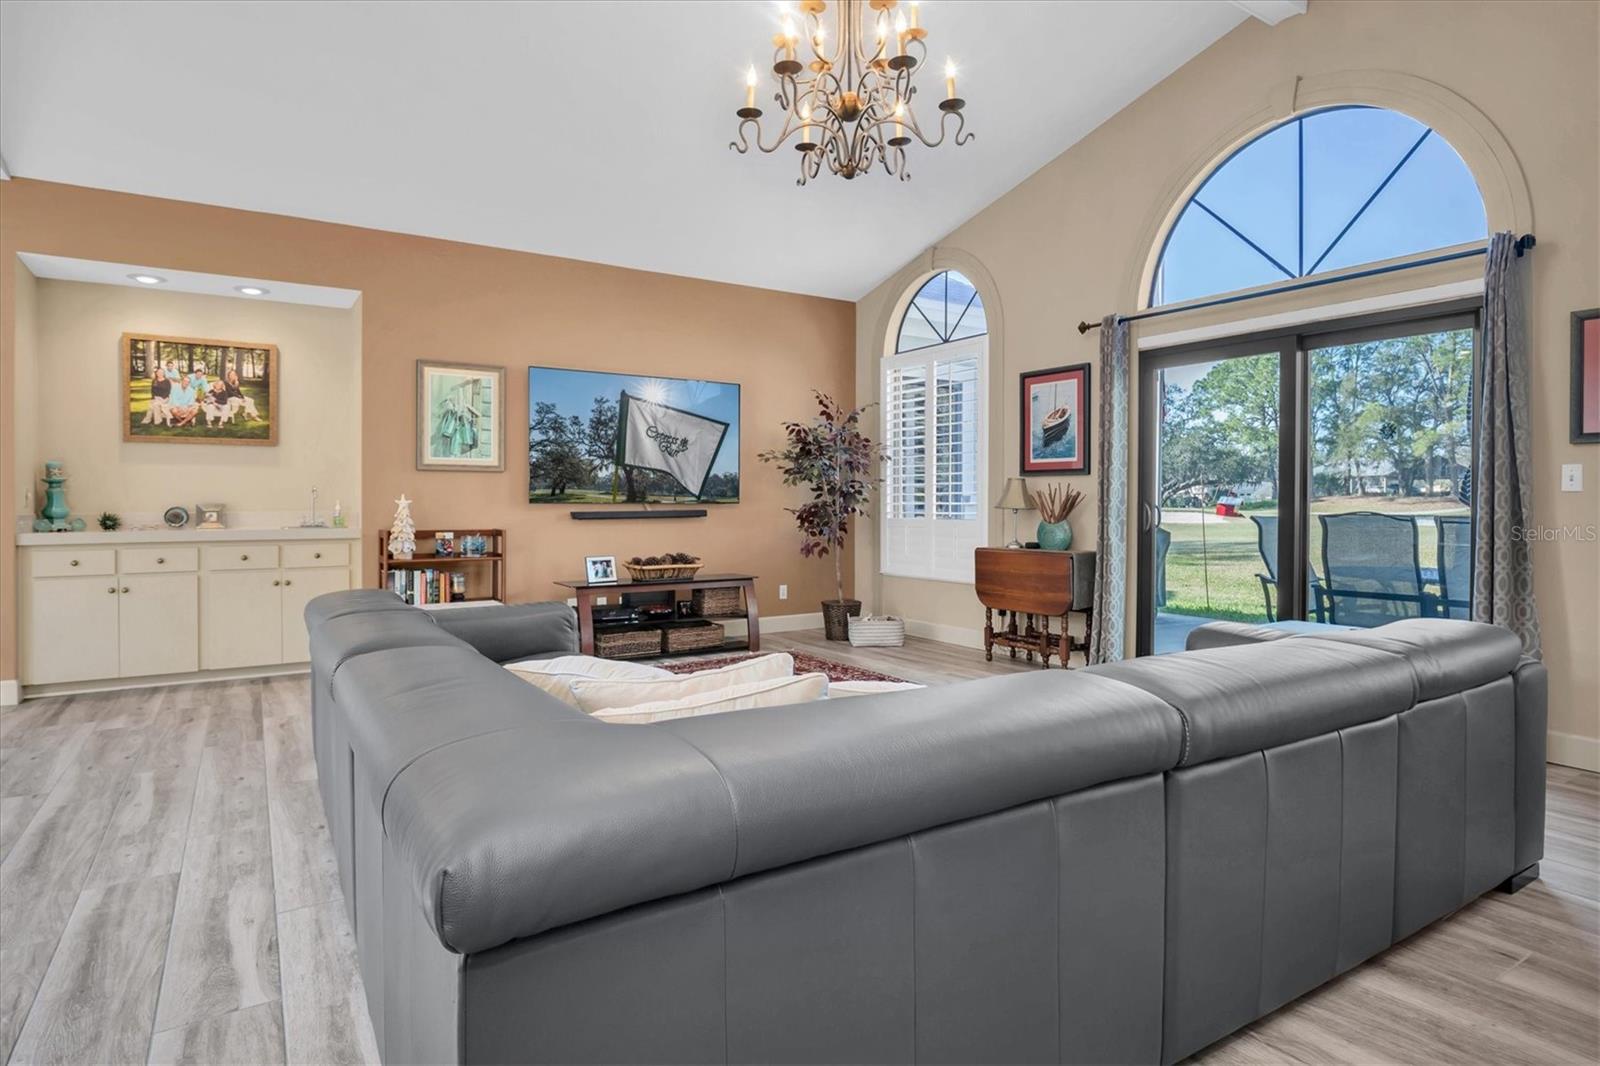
832	457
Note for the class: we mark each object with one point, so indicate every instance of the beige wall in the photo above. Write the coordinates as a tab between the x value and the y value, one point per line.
1512	85
441	300
25	417
78	393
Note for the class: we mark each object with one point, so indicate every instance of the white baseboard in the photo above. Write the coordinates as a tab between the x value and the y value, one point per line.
74	688
789	623
961	636
1569	749
10	693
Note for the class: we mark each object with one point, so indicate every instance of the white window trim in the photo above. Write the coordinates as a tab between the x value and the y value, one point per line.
979	347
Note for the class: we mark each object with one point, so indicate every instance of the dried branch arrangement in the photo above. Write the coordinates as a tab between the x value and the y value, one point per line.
1055	503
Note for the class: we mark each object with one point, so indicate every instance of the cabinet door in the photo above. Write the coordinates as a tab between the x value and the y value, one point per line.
241	619
69	629
160	624
299	588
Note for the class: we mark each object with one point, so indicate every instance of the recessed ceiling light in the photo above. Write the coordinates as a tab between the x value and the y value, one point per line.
251	290
148	279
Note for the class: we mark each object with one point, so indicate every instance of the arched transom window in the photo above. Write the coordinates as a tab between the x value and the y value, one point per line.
1324	191
934	390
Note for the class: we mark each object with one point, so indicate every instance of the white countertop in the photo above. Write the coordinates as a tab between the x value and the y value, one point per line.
182	536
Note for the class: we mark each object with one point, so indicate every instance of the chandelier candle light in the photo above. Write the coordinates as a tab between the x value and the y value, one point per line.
850	106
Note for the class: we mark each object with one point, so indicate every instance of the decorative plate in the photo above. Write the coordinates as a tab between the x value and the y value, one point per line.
176	517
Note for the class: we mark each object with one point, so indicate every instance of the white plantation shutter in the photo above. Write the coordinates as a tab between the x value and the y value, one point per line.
934	405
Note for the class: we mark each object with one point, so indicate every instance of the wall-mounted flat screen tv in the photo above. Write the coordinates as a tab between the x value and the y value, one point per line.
624	438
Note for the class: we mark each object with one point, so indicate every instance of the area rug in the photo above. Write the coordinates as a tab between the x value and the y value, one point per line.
803	664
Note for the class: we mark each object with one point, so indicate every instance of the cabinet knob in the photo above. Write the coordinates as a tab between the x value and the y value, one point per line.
316	555
112	590
74	562
124	588
275	584
159	560
286	581
244	558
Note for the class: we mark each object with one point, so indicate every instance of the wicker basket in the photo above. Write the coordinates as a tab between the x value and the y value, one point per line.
877	632
713	603
703	637
665	572
628	643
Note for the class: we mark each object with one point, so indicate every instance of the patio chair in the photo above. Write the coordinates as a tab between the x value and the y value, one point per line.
1370	571
1455	566
1163	542
1267	545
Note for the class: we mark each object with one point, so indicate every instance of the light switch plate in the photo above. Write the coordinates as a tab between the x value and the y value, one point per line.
783	592
1571	477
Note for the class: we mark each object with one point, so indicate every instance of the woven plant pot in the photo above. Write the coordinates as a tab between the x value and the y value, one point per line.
836	616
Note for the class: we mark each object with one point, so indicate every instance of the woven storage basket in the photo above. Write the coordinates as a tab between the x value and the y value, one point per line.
628	644
709	603
666	572
695	638
877	632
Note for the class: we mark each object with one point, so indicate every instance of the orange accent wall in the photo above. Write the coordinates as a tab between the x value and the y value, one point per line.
426	298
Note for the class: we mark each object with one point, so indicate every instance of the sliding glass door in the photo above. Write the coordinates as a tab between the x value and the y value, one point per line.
1320	475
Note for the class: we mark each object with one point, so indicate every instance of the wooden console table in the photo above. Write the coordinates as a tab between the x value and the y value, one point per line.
1029	587
587	592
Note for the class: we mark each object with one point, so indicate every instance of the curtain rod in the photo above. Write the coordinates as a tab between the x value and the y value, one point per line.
1524	242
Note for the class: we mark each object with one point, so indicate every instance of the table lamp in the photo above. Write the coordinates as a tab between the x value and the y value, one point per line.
1015	499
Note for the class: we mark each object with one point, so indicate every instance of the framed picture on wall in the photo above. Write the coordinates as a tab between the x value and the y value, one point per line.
1586	376
189	390
1055	420
461	416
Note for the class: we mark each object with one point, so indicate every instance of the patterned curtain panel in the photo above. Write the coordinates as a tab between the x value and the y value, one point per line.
1111	539
1502	481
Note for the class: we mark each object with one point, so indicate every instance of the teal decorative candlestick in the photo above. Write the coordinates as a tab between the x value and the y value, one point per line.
55	516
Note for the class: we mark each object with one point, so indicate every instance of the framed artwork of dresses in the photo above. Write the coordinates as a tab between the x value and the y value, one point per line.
461	416
1055	420
1586	376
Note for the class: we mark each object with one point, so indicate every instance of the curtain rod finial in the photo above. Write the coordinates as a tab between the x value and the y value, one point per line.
1525	242
1085	327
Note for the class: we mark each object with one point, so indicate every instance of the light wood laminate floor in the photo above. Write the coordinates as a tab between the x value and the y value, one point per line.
168	894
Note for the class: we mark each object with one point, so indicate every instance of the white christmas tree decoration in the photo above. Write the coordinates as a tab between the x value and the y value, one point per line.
403	531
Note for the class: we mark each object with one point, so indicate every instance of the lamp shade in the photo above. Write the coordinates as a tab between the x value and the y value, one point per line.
1015	497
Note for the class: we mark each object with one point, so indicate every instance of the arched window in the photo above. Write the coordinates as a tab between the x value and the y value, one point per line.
934	390
1326	190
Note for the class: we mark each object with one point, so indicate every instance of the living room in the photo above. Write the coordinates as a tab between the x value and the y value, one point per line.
1184	475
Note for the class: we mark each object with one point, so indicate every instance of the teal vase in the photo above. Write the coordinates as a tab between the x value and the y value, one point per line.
1055	536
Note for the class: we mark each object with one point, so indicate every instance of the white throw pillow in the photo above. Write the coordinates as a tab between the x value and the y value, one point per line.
841	689
556	675
602	695
774	692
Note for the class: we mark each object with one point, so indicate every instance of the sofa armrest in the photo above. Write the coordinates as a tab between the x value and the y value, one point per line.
508	632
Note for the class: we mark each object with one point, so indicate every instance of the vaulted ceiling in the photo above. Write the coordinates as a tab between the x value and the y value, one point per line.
590	130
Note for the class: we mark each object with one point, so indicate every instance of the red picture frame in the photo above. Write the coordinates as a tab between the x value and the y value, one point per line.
1055	417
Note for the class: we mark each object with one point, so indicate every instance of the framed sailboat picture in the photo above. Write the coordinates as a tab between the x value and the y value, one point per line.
1055	420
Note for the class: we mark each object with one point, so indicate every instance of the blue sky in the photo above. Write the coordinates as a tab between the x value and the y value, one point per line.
1431	202
573	393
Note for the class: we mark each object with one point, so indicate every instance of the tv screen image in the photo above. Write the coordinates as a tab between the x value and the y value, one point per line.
595	437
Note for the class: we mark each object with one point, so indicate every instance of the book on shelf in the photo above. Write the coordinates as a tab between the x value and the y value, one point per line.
428	587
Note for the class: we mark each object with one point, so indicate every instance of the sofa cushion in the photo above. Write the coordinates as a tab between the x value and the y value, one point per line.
1446	655
842	689
770	692
556	674
1247	697
352	601
601	694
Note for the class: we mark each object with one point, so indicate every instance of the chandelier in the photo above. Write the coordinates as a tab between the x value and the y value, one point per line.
849	106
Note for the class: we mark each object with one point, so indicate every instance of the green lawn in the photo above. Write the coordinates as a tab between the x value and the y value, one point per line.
1213	561
240	428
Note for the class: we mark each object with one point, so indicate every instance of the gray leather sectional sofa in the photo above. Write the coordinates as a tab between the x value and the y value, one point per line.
1119	864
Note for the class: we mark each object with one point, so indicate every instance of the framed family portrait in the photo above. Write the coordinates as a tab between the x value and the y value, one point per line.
461	416
600	569
1055	420
189	390
1586	376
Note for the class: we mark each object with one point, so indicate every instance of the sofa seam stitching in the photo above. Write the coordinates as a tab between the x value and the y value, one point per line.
733	804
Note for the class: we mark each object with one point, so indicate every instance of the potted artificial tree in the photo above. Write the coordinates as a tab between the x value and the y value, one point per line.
837	462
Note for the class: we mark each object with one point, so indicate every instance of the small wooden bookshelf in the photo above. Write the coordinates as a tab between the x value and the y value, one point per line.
485	574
